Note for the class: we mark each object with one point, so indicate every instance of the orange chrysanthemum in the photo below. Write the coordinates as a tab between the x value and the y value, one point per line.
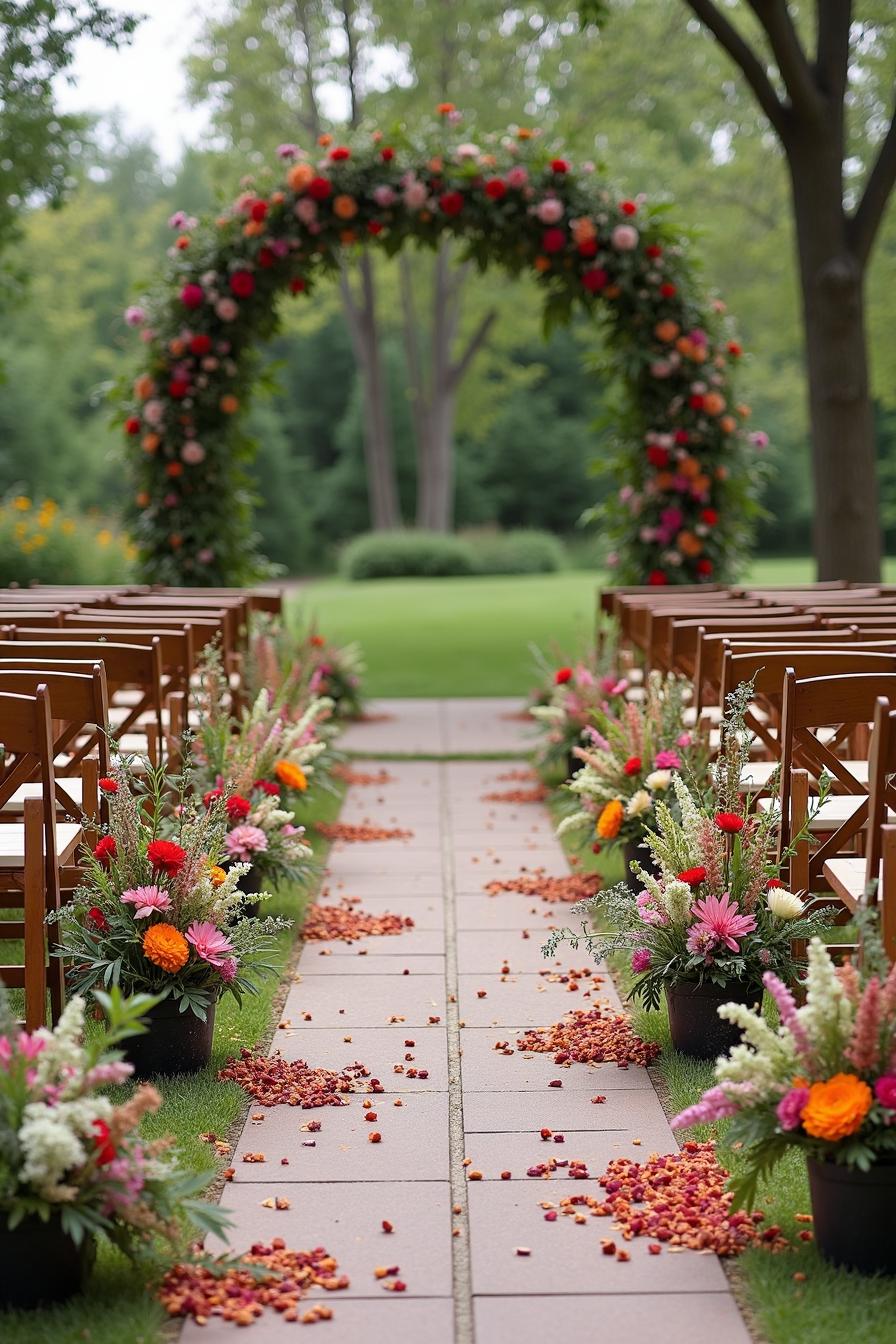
217	875
292	776
166	947
837	1107
610	820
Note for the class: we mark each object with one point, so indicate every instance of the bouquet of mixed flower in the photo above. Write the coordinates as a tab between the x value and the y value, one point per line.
823	1080
155	912
66	1150
629	763
714	908
565	703
296	666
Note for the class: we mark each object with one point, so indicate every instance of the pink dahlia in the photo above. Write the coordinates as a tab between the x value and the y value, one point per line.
720	916
228	969
210	943
789	1109
146	901
641	959
244	841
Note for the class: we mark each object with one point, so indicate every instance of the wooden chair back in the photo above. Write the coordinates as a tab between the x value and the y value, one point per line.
80	708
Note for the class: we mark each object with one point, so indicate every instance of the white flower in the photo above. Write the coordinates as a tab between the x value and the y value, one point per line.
638	804
784	904
659	779
574	822
678	901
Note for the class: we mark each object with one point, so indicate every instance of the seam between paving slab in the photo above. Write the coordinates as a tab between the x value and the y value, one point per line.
464	1331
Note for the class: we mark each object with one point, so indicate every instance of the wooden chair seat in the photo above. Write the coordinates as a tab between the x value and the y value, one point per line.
846	878
838	810
12	843
74	787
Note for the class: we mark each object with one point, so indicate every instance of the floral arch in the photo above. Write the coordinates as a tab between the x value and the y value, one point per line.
683	460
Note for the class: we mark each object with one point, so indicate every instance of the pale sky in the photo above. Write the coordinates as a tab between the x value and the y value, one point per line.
143	82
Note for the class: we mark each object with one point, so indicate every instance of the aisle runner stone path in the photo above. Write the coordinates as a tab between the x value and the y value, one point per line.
468	727
435	999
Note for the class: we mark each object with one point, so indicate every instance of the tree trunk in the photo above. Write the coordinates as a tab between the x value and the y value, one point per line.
847	533
379	458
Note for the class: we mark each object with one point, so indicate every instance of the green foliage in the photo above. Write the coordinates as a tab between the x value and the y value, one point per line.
399	555
40	543
524	551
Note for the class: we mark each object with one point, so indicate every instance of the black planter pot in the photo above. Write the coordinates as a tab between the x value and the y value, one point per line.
697	1030
175	1043
250	882
635	851
855	1215
41	1265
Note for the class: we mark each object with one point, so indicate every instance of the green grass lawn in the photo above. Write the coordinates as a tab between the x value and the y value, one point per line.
471	636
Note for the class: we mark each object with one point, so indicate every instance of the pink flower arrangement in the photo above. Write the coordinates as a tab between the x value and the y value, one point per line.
721	917
245	841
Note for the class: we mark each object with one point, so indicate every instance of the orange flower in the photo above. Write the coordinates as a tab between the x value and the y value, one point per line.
150	443
542	263
345	207
837	1108
166	947
144	387
444	109
728	424
524	133
688	544
713	403
292	776
229	404
217	875
666	331
610	820
299	175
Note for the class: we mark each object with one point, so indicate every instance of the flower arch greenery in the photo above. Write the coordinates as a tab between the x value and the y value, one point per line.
682	458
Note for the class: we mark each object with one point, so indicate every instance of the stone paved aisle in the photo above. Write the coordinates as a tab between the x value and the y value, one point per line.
442	981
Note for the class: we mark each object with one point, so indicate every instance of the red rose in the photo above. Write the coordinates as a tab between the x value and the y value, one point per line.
496	188
595	279
657	456
212	796
258	210
178	388
628	207
709	516
166	856
340	153
735	348
192	296
266	258
108	785
632	766
729	822
267	786
653	250
657	578
588	247
105	850
704	567
242	284
105	1148
374	227
319	188
387	154
693	876
238	808
562	676
553	240
668	290
451	203
297	286
696	401
97	919
200	344
559	166
132	425
682	437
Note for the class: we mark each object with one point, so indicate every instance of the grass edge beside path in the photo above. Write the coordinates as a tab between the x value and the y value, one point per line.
119	1305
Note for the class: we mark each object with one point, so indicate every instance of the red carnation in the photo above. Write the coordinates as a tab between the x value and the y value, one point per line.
108	785
267	786
166	856
559	166
238	808
588	247
97	919
693	876
258	210
374	227
704	567
297	286
178	388
387	154
632	766
340	153
657	456
668	290
653	250
682	437
242	284
553	240
628	207
105	1148
319	188
211	797
200	344
595	279
657	578
266	258
105	850
709	516
496	188
132	425
729	822
772	883
192	296
451	203
696	401
562	676
735	348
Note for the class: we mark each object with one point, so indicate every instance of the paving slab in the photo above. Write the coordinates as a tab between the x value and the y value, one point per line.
341	1149
380	1049
366	964
425	908
508	911
611	1318
486	1069
381	1320
571	1112
333	1001
525	1000
497	1152
485	950
416	941
383	882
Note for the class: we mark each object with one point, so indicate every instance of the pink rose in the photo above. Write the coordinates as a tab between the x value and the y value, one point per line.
517	177
305	210
192	453
227	309
415	195
384	196
550	210
625	237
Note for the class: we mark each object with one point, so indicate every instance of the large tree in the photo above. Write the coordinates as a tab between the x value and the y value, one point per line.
822	76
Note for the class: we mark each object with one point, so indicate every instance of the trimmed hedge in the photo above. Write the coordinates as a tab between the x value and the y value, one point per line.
525	551
431	555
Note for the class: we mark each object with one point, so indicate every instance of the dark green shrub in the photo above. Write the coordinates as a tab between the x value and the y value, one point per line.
398	555
523	551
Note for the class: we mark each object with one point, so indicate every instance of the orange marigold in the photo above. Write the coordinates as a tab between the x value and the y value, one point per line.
166	947
217	875
837	1107
610	820
293	776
